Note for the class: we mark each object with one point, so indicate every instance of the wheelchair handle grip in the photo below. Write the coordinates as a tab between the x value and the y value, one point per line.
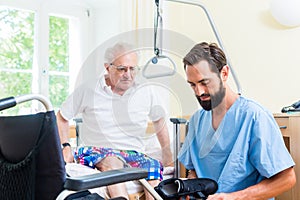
7	103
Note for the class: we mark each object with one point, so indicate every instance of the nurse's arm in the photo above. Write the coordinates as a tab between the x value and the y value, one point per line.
267	188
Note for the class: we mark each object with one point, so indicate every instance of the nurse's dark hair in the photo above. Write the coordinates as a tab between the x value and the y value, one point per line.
209	52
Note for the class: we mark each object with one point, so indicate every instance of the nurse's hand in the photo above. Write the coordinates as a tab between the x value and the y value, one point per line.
68	154
185	198
222	196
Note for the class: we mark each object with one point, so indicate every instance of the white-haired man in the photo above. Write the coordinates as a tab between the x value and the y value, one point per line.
115	112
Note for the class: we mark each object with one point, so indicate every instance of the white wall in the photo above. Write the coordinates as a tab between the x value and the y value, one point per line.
264	54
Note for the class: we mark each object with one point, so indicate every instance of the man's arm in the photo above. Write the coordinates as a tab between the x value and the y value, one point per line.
164	140
267	188
63	130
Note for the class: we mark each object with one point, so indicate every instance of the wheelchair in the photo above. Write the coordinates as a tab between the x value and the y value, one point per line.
32	165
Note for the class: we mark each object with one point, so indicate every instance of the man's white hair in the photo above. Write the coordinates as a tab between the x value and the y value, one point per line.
119	49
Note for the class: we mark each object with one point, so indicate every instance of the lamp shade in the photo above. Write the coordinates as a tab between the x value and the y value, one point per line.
286	12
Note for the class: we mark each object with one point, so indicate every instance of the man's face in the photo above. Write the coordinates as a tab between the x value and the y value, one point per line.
207	85
122	72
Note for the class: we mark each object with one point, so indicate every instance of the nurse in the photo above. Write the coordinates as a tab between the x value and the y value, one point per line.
232	139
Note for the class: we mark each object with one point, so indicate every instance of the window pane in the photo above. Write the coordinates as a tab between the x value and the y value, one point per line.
58	60
59	86
16	38
14	84
16	55
58	44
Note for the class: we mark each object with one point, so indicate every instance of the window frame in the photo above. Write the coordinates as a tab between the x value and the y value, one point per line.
78	44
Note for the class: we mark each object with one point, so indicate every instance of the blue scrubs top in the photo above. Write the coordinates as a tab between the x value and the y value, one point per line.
246	148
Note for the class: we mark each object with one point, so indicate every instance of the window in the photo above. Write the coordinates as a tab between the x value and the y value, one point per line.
58	60
35	55
16	52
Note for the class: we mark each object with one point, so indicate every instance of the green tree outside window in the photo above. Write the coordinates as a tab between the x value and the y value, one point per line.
16	57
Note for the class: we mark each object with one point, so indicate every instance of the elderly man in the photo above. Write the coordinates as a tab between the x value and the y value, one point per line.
115	112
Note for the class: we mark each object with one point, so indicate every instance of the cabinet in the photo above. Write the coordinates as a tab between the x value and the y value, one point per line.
290	128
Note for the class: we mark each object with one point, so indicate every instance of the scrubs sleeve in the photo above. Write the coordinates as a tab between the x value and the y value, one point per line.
268	152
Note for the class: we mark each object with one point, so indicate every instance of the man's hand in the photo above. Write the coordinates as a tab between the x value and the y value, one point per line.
265	189
219	196
226	196
68	154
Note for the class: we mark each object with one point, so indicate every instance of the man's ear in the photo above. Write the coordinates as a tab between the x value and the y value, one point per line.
225	73
106	65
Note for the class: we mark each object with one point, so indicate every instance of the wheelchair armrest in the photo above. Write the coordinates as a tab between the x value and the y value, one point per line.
104	178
